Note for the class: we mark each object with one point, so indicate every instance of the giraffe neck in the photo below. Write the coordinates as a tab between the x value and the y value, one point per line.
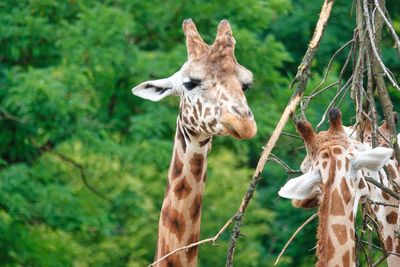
336	245
180	217
387	216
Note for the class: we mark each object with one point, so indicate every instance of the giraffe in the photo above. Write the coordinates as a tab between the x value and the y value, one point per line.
211	85
386	216
335	172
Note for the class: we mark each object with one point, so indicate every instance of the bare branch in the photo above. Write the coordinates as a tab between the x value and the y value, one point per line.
389	25
374	49
283	164
312	217
382	187
204	241
301	79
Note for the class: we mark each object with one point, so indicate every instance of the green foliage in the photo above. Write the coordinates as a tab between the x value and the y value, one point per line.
83	163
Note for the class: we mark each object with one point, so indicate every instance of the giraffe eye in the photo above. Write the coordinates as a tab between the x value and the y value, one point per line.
192	83
246	86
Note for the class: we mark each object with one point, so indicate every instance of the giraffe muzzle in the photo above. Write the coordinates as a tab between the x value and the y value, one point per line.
239	128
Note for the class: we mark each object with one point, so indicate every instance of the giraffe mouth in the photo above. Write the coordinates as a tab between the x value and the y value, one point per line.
231	131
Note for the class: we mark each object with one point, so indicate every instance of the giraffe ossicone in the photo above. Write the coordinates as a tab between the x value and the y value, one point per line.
211	85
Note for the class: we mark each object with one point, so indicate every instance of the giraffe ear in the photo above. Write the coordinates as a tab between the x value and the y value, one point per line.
301	187
156	90
373	159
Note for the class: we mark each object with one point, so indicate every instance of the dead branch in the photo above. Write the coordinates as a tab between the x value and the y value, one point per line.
377	70
204	241
301	79
389	25
283	164
312	217
382	187
382	203
373	45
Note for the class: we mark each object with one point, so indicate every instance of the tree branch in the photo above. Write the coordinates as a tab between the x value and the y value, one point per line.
301	79
312	217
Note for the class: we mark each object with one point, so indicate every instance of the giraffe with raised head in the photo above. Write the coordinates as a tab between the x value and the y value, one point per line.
211	85
334	172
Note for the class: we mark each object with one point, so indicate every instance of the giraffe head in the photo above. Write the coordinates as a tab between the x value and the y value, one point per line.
332	148
211	85
334	182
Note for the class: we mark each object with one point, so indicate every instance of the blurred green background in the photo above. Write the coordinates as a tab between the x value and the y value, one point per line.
83	162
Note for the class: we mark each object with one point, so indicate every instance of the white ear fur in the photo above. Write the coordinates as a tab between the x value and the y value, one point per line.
156	90
301	187
373	159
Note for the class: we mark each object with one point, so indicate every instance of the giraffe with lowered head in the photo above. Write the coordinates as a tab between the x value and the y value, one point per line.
335	170
381	205
211	85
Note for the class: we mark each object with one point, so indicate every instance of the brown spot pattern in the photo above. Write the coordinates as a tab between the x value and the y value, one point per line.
340	232
165	212
389	243
385	195
337	207
392	217
204	142
182	189
195	209
181	139
337	150
361	184
346	259
392	172
325	155
172	261
196	166
177	167
192	252
177	224
347	164
398	246
330	250
324	164
199	106
345	190
339	165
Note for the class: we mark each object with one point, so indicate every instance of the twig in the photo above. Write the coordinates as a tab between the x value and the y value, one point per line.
382	203
292	135
312	217
283	164
379	248
82	173
389	25
8	116
301	79
374	49
382	187
204	241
